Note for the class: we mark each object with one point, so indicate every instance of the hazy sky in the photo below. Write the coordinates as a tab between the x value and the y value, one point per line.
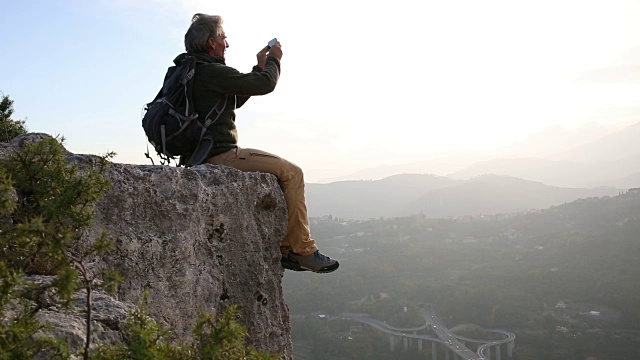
363	83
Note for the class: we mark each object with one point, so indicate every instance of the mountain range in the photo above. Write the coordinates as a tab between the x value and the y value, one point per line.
612	160
581	167
587	157
565	173
438	196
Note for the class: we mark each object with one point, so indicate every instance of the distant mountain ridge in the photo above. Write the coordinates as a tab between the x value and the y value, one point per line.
601	167
554	139
603	162
437	196
557	172
615	146
630	181
437	166
555	156
372	198
498	194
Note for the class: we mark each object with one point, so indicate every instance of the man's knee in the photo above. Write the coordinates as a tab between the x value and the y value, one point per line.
292	171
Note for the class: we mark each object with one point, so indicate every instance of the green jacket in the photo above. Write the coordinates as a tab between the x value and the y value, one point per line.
217	85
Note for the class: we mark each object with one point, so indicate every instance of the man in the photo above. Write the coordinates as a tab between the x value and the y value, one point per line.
217	91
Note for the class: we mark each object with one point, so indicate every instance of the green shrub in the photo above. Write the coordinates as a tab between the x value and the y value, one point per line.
9	128
146	339
55	201
17	316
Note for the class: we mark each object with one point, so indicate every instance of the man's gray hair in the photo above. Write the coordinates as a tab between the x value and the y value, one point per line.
203	27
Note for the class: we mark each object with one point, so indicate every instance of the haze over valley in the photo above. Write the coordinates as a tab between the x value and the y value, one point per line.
563	280
543	248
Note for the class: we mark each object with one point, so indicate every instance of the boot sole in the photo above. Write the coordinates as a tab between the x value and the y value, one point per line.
295	266
324	270
327	269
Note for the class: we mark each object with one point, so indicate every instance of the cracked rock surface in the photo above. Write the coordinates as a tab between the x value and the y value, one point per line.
194	239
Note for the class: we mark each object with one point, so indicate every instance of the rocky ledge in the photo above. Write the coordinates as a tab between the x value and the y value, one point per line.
194	239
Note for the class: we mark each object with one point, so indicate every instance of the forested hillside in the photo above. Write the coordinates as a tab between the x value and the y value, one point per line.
505	272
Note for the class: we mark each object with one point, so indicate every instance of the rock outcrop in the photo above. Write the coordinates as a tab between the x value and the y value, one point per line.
196	239
108	315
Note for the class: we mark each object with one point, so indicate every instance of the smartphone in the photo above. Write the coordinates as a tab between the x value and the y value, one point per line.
272	42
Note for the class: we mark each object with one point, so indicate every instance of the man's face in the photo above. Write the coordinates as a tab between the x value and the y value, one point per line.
219	44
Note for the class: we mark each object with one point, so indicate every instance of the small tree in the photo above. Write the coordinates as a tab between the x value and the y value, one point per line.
18	324
224	338
46	201
146	339
9	128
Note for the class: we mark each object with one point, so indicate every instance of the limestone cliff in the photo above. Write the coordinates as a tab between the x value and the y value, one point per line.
196	238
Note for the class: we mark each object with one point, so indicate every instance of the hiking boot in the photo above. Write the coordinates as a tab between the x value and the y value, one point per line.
290	264
316	262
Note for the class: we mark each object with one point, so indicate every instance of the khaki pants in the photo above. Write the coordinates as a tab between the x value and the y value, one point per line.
291	180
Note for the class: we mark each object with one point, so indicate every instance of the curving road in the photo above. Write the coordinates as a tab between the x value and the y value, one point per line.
444	336
510	337
453	341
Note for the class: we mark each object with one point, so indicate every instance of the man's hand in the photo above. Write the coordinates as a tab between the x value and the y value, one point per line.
262	57
276	51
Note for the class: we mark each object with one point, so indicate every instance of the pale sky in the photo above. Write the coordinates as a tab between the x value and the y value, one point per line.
363	83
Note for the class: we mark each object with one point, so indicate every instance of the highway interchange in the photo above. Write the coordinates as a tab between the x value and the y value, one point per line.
453	342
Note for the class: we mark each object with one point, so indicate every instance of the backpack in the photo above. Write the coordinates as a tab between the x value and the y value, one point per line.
171	122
